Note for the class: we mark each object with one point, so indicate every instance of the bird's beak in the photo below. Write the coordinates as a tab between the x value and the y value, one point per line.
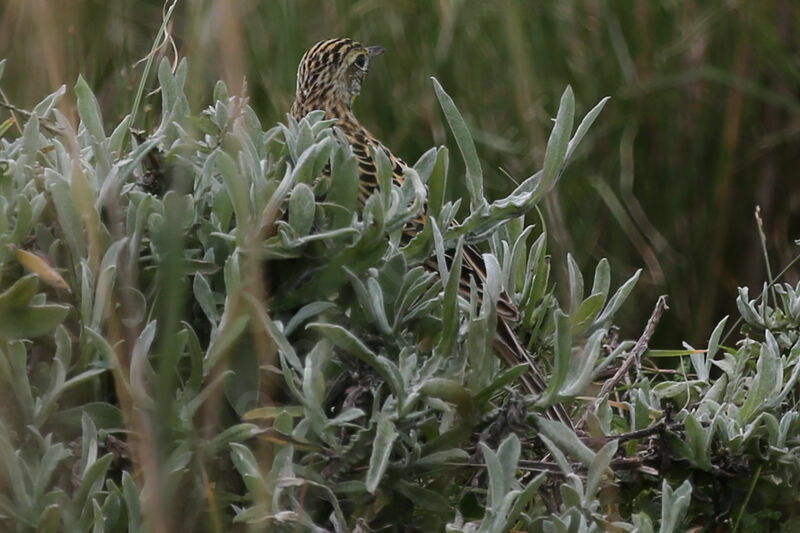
375	50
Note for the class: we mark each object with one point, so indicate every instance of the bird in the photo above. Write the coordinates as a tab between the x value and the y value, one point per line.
329	78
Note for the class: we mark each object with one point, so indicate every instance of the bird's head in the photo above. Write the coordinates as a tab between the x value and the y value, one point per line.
331	72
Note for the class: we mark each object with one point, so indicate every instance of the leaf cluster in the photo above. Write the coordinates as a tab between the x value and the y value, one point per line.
250	349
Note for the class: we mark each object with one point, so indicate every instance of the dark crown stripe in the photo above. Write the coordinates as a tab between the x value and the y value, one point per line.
314	49
343	45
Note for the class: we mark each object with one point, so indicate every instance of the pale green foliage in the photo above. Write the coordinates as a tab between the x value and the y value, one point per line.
275	357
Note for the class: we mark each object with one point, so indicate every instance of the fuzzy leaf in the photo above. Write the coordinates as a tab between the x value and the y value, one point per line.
301	209
465	144
89	110
381	451
674	506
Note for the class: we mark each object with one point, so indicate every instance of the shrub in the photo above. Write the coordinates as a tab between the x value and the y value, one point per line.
196	332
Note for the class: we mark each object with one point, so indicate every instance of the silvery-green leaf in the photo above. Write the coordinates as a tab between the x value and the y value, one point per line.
344	185
599	468
566	440
602	278
235	186
301	209
702	361
450	310
562	354
44	107
89	110
767	381
385	436
426	163
306	312
575	284
618	298
674	506
465	144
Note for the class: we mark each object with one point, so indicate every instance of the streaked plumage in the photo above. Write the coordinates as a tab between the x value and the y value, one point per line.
329	78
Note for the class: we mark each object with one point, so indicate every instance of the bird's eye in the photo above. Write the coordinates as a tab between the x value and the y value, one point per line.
361	61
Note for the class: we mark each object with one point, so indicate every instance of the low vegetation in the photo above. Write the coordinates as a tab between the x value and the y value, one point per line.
198	334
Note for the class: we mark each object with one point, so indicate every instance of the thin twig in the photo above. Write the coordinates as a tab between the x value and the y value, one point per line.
27	114
658	427
636	353
157	43
12	109
763	240
639	348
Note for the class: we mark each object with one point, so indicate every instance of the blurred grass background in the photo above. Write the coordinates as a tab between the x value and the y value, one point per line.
703	126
